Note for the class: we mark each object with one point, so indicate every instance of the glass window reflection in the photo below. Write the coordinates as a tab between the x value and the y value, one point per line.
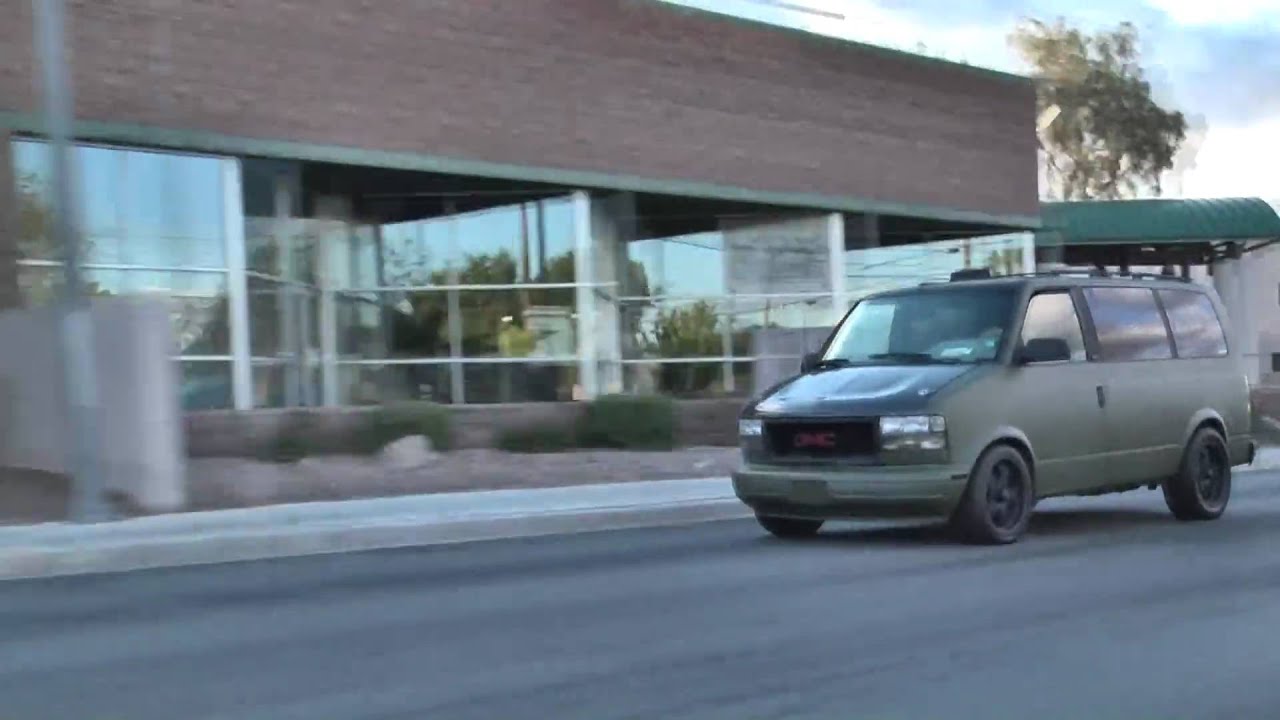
1129	324
1197	330
684	266
514	244
139	207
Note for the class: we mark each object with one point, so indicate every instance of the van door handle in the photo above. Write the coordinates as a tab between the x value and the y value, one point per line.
1102	397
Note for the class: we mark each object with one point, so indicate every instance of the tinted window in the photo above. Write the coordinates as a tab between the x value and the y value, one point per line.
1197	332
1129	324
1053	315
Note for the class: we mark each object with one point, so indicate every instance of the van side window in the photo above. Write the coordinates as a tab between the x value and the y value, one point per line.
1197	331
1053	315
1129	324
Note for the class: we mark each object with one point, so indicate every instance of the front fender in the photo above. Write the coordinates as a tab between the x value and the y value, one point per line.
1004	433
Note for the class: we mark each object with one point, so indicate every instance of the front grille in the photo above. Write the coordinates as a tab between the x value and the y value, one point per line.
806	440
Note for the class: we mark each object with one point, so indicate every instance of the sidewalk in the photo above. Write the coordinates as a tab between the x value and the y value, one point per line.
328	527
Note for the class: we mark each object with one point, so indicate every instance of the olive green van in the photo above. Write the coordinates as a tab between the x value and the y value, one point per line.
970	400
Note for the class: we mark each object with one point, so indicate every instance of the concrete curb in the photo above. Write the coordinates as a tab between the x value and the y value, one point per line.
321	528
360	525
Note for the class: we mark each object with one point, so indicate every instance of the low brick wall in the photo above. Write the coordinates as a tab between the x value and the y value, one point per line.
253	433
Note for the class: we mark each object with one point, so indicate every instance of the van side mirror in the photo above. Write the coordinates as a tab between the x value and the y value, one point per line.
1044	350
809	361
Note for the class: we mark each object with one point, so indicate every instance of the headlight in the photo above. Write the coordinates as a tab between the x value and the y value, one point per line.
750	428
913	432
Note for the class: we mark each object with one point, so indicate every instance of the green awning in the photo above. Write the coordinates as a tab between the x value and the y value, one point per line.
1160	221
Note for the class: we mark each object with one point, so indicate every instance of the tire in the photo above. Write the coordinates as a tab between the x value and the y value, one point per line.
1202	487
789	528
999	499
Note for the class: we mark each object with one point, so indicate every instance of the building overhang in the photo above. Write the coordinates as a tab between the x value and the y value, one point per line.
927	221
1158	231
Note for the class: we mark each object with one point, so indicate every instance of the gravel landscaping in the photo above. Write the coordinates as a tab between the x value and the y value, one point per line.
217	483
223	483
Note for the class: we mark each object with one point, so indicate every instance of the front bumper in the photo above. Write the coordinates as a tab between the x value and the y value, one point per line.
851	493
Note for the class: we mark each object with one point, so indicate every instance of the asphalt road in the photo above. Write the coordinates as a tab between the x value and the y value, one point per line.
1110	609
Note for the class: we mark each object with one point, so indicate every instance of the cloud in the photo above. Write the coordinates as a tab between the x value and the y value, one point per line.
1230	74
1236	161
1235	12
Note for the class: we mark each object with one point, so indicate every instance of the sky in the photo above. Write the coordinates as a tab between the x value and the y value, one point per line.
1217	62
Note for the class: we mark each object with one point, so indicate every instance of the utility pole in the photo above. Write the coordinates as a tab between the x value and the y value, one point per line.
76	328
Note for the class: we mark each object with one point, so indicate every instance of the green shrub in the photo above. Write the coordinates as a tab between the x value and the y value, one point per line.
389	423
635	422
536	439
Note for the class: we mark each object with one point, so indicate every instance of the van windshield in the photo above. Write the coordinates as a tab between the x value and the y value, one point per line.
961	325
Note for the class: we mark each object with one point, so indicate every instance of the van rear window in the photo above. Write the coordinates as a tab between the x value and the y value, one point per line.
1197	330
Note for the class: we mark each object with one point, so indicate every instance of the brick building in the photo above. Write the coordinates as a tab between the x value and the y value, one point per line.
483	201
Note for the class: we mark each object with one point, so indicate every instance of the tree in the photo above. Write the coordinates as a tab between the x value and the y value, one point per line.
1103	134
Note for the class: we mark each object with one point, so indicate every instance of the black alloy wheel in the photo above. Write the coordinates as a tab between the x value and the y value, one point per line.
999	499
1202	487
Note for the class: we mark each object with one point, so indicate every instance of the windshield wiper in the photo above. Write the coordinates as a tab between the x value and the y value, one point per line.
914	357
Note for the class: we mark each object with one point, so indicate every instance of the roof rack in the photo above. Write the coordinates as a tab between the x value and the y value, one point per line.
1103	273
985	274
971	274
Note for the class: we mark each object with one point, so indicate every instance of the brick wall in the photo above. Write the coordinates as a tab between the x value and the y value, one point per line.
634	87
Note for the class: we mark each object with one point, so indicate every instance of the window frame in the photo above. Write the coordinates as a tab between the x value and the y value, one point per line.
1092	330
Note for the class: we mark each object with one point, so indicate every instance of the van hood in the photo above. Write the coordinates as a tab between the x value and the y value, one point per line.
860	391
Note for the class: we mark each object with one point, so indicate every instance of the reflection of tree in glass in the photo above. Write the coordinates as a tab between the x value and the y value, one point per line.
1005	262
40	286
691	332
493	321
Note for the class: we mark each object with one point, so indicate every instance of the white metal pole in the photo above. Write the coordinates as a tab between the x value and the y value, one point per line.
585	296
839	285
88	503
237	286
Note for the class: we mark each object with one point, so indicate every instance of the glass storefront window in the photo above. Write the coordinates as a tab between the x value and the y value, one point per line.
368	384
206	385
874	270
153	226
690	265
536	322
515	244
140	208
